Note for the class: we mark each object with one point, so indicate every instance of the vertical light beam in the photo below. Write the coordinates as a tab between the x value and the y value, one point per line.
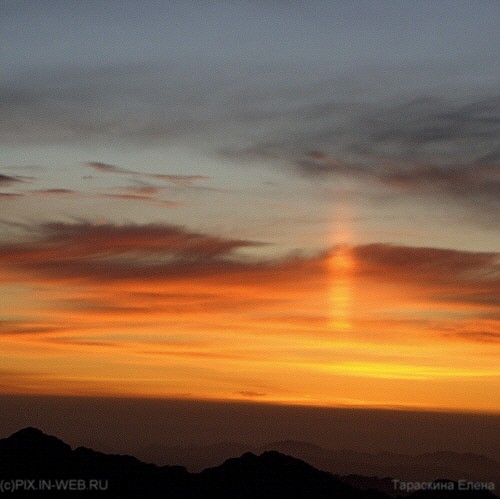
341	265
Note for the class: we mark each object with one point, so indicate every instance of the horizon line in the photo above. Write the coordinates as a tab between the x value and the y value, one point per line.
260	403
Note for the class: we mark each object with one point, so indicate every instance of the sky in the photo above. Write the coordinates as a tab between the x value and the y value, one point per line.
273	202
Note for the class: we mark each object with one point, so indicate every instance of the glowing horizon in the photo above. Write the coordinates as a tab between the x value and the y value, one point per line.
219	329
269	203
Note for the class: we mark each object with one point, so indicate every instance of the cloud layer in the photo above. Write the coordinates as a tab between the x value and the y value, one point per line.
146	303
156	258
395	114
396	130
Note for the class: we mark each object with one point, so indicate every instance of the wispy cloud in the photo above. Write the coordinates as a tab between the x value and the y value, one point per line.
65	241
479	336
10	195
15	327
144	190
465	181
141	193
144	198
370	126
54	191
400	114
403	129
58	245
430	266
7	179
250	394
104	167
184	180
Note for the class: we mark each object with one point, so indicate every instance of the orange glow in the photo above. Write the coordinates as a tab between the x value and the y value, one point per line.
88	321
341	265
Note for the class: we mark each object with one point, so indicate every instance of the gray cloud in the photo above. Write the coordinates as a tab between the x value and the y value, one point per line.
143	198
417	128
183	180
430	129
469	180
433	144
54	191
104	167
250	394
7	179
10	195
474	180
139	103
392	111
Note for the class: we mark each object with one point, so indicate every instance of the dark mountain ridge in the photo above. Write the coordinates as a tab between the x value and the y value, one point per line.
420	467
40	465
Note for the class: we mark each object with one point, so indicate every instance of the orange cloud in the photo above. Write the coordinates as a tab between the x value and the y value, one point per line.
149	303
144	190
80	240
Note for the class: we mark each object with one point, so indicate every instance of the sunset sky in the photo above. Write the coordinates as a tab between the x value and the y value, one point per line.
279	202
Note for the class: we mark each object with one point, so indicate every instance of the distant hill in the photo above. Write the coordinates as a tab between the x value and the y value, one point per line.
422	467
30	459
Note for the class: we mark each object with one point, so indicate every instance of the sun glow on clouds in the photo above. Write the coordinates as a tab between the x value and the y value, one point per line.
255	220
341	265
158	310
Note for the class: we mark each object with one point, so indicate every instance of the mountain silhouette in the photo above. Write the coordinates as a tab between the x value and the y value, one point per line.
276	475
421	467
43	460
362	470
